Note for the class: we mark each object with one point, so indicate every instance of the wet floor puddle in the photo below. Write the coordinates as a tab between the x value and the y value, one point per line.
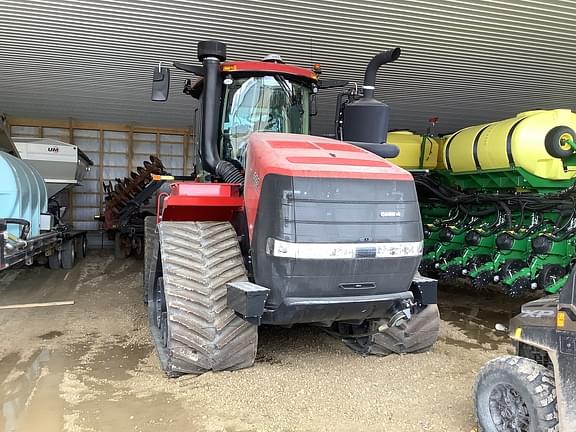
76	388
20	391
477	321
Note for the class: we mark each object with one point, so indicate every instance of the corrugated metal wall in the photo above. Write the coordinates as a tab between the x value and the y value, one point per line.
465	61
115	150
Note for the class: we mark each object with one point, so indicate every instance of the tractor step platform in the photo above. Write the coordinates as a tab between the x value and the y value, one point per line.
247	300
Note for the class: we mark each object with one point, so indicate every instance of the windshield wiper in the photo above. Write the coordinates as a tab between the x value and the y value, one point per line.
286	88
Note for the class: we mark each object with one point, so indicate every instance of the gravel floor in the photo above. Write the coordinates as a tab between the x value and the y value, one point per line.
90	367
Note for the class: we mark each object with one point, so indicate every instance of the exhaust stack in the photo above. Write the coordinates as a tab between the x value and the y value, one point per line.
366	119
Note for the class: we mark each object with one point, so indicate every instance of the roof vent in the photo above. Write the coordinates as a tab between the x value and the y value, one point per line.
273	58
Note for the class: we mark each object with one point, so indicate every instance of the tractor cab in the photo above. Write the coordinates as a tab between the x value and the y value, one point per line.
256	96
261	100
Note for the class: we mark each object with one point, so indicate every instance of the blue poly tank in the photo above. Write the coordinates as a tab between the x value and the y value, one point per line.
22	193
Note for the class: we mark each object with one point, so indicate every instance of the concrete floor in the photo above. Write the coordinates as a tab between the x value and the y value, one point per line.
91	367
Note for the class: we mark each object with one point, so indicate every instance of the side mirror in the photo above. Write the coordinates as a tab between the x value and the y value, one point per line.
313	105
160	84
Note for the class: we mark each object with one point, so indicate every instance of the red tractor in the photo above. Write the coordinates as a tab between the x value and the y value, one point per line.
285	228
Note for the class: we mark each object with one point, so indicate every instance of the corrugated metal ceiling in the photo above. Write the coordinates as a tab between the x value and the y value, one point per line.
465	61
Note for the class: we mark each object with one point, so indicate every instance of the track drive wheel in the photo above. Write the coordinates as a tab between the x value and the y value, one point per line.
417	335
515	394
193	329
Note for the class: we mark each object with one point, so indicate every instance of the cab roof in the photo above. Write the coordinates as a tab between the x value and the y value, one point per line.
271	67
258	68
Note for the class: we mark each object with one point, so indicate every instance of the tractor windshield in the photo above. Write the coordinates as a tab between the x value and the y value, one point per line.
261	104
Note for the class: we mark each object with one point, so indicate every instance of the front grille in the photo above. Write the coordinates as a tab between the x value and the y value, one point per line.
365	252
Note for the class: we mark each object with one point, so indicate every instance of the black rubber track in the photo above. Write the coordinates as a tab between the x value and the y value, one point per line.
531	382
417	335
198	260
151	246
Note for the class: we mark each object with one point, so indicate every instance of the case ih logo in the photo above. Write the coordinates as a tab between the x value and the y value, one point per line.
390	214
255	179
53	149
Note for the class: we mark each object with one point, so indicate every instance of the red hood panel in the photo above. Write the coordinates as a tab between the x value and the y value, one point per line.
309	156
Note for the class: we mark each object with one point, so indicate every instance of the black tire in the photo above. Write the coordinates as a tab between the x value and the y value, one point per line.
198	332
151	245
554	142
80	245
68	254
512	391
417	335
549	274
83	247
55	260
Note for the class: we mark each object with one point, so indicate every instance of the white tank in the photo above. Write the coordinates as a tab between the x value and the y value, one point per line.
23	193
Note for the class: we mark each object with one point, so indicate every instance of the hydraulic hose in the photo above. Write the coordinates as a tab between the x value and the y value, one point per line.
228	172
25	225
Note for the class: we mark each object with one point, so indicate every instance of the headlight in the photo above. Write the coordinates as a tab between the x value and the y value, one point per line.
283	249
